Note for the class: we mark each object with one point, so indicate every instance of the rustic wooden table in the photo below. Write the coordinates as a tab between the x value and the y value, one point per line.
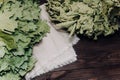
97	60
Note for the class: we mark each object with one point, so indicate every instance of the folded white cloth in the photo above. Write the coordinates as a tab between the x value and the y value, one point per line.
54	51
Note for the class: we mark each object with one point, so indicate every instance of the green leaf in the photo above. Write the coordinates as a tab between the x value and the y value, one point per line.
18	61
8	40
10	76
7	24
2	51
20	30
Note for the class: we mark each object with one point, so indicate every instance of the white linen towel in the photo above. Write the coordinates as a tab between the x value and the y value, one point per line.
54	51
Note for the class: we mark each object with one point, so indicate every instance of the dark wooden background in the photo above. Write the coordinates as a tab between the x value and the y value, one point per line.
97	60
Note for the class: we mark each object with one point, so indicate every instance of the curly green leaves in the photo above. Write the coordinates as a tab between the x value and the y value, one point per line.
85	17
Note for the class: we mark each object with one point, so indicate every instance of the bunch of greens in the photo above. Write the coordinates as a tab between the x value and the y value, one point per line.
86	17
20	29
